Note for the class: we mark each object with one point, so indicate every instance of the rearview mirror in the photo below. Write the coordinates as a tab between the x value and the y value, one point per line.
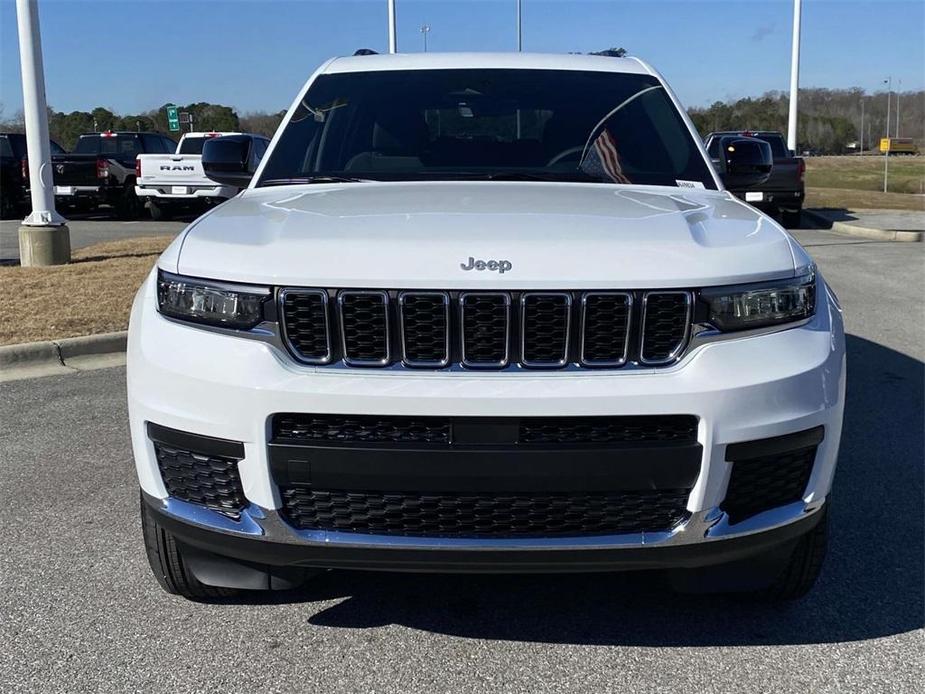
744	162
227	160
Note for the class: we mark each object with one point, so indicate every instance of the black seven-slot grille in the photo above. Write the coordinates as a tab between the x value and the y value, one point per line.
484	476
485	330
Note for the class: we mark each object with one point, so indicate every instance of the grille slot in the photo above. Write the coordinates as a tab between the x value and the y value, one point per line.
606	320
209	480
425	328
570	430
486	329
545	328
760	484
665	326
306	327
364	325
484	515
306	428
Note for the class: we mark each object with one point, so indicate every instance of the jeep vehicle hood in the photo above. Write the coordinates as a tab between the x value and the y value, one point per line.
422	234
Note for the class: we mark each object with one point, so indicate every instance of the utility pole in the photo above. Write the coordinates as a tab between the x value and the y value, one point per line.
886	155
862	124
794	77
425	29
520	35
393	40
44	238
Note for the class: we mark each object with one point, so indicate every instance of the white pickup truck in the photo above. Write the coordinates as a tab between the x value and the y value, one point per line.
170	182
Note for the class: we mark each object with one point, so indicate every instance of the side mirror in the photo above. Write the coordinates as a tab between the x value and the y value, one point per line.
227	160
745	162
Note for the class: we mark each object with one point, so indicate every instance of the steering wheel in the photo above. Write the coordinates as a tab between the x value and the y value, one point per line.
565	154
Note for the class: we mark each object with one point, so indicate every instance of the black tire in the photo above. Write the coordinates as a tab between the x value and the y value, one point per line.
128	206
791	218
159	212
799	574
166	560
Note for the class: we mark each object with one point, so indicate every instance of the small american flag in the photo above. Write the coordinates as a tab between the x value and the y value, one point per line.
602	159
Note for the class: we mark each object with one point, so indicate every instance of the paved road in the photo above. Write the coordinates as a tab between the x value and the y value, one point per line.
87	229
80	611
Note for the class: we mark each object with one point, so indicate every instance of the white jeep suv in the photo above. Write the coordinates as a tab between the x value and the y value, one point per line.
485	313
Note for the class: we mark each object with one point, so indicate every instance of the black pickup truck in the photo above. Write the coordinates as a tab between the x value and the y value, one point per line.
101	170
14	174
783	192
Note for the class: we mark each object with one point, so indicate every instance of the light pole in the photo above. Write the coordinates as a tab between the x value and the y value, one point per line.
44	238
794	77
425	29
889	93
862	124
520	36
393	39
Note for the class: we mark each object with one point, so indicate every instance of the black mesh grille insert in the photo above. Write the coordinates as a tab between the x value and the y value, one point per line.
304	428
485	325
481	515
210	480
605	328
665	325
306	324
365	326
546	329
760	484
545	430
424	324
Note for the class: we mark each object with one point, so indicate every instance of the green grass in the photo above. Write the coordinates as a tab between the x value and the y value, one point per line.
906	174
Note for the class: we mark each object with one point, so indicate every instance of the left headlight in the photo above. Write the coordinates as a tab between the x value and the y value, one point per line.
221	304
742	307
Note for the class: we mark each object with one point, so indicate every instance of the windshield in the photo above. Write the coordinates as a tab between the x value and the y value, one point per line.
124	145
493	124
778	149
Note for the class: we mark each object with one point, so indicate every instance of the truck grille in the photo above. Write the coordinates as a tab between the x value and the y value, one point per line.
297	428
485	330
484	515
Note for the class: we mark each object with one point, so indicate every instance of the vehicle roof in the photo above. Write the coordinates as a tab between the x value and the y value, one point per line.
213	133
521	61
123	132
746	130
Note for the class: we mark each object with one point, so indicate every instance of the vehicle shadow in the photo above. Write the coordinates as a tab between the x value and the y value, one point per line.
873	583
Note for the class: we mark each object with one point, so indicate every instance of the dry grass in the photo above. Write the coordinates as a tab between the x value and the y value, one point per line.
842	198
91	295
906	175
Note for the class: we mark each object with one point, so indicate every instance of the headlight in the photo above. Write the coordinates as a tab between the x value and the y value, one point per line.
221	304
746	306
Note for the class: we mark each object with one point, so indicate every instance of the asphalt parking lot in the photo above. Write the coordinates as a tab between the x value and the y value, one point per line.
80	611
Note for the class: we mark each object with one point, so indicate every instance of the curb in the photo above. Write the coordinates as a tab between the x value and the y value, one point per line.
865	232
61	356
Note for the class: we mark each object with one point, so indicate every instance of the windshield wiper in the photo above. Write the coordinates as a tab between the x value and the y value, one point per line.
312	179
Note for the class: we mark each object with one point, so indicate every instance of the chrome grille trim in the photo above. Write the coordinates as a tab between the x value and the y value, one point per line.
627	329
350	361
445	296
682	344
463	298
523	330
296	353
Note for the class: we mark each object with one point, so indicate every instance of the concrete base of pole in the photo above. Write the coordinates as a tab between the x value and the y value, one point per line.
44	245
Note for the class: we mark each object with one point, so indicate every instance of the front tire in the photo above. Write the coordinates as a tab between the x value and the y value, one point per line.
799	574
168	567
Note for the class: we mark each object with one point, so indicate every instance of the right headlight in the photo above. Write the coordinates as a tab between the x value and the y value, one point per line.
220	304
746	306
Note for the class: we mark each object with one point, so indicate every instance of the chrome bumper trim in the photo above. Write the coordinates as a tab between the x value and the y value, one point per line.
268	525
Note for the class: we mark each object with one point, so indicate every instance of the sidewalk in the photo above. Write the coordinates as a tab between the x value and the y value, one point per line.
888	225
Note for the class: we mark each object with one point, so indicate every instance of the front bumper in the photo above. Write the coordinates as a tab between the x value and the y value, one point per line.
740	390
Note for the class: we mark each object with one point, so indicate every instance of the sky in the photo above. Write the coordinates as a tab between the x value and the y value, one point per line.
254	55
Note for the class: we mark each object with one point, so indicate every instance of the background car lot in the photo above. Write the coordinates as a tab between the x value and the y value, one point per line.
80	612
